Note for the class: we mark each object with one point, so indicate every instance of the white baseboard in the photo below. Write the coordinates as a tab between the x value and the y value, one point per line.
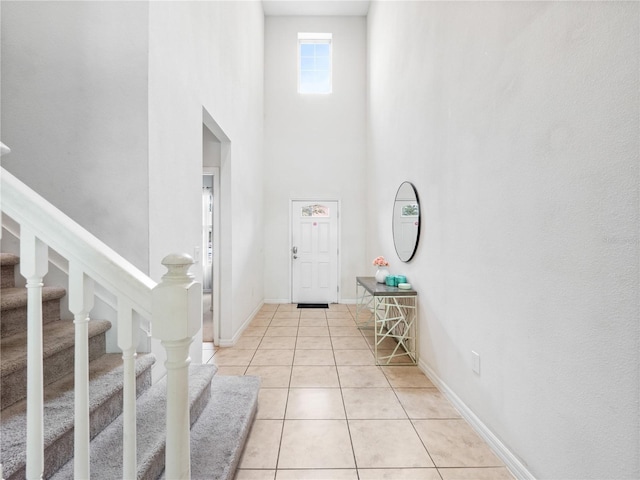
513	463
349	301
276	300
223	342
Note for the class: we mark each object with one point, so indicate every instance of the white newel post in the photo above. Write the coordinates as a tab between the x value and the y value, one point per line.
80	304
176	318
33	267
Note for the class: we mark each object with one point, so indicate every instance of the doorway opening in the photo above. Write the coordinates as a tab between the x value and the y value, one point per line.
207	233
209	332
216	242
211	162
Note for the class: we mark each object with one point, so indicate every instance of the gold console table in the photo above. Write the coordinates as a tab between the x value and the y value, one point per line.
393	315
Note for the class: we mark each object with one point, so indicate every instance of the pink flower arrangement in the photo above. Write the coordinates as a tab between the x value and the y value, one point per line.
380	262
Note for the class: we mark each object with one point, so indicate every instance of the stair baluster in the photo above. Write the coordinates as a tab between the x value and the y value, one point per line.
80	304
127	343
33	268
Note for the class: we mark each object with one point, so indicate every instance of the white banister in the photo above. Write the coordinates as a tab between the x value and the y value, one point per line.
80	304
127	343
177	313
33	267
73	242
173	308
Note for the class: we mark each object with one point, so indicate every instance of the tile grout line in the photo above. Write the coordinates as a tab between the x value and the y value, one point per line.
283	415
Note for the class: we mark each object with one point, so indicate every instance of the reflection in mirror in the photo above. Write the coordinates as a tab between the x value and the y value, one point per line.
406	221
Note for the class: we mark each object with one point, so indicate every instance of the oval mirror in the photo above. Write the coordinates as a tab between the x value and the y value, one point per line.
406	221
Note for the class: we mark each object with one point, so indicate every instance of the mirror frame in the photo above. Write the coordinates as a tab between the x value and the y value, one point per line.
393	217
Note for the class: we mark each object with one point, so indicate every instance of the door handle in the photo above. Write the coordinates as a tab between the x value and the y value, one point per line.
294	250
295	256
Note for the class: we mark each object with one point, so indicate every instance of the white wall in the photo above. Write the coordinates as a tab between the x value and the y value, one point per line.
208	54
315	145
102	105
518	124
74	111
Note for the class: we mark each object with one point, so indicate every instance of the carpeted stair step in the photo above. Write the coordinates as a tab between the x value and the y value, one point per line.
58	353
106	447
219	435
8	263
13	308
105	404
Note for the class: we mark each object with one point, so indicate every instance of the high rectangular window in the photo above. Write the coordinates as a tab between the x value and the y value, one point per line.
314	63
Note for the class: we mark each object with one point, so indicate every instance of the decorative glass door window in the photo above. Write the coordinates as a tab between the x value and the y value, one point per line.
314	211
410	210
314	63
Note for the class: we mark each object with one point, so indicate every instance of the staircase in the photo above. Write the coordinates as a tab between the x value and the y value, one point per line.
221	408
82	413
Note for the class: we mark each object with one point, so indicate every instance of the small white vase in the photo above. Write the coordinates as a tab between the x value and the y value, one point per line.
381	274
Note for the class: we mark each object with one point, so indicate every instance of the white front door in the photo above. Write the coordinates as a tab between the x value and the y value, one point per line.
314	251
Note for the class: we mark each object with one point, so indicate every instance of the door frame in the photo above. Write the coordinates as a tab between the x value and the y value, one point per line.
215	240
319	199
223	318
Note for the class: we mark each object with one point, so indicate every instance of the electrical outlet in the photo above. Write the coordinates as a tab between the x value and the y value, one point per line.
196	254
475	362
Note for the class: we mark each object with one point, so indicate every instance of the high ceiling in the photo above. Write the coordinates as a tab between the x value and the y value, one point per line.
316	7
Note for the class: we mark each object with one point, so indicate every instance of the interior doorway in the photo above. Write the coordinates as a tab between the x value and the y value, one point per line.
207	233
210	259
216	161
209	333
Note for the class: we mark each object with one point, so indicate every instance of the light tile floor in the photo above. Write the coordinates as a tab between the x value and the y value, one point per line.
327	412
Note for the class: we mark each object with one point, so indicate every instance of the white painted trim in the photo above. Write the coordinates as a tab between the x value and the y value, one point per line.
339	255
349	301
212	125
4	149
513	463
290	241
272	301
232	341
215	277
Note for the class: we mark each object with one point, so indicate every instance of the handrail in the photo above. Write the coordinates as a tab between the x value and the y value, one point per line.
173	307
72	241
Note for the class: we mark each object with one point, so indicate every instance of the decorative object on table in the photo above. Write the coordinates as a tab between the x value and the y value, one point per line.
404	286
391	281
383	272
400	279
